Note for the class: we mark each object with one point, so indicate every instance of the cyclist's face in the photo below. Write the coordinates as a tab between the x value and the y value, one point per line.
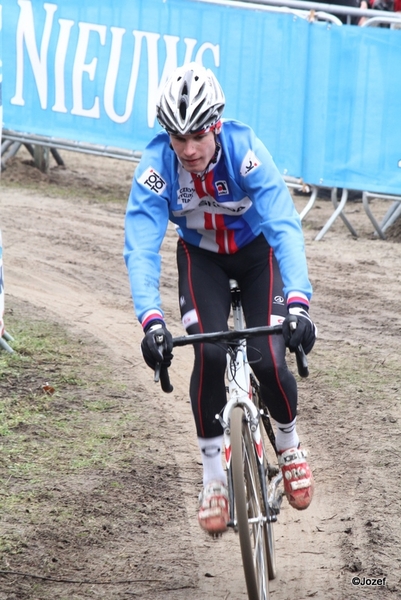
194	150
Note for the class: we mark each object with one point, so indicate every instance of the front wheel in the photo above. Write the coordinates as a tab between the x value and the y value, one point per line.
250	513
270	459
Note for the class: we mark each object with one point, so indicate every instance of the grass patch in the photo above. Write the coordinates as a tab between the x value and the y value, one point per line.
353	378
60	411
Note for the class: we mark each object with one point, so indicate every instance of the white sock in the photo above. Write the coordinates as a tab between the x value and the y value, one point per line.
286	436
210	449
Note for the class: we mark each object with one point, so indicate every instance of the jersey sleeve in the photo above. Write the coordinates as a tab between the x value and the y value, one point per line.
146	222
279	219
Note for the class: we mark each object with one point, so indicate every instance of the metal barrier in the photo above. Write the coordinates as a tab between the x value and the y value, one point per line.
12	141
392	22
334	9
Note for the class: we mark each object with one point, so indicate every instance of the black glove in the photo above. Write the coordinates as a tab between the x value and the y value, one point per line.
305	332
157	345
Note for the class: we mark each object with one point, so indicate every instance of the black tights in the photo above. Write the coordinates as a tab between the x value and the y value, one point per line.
204	295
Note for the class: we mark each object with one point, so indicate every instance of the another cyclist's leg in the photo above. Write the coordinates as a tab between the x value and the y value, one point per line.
205	303
264	304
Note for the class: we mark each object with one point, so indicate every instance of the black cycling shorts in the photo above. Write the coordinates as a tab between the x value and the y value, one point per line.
204	297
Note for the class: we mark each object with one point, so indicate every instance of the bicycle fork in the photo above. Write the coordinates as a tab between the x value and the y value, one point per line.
240	394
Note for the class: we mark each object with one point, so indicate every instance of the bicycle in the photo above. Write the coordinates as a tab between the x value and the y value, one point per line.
254	478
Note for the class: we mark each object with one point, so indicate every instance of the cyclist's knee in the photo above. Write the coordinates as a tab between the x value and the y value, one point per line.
213	357
269	373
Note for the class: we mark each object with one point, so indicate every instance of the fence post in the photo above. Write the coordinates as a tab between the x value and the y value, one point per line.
41	158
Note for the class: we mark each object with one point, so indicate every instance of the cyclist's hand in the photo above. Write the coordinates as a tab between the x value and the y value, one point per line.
157	345
305	332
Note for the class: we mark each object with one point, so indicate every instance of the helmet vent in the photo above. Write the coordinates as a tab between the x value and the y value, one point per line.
200	93
183	109
198	122
184	101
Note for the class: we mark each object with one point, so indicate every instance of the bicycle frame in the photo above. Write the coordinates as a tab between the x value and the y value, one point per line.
240	393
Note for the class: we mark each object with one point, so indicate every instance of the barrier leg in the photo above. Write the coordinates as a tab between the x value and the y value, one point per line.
389	218
392	217
5	346
338	212
3	334
310	204
41	158
12	150
365	202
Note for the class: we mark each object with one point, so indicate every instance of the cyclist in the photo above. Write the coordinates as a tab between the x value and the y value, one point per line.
216	181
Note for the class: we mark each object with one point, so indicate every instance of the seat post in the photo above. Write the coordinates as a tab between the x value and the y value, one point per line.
236	304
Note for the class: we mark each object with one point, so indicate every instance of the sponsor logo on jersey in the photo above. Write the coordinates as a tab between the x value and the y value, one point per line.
222	188
224	208
153	180
249	164
185	195
278	300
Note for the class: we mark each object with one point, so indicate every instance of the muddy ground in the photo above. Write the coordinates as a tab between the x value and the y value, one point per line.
63	239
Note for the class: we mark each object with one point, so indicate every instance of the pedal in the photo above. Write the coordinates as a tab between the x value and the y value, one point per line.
272	472
276	493
276	504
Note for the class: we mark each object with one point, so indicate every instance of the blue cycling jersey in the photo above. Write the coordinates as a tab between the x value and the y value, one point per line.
241	195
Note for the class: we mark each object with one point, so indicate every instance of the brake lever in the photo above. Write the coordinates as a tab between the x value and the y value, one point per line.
302	361
156	377
161	373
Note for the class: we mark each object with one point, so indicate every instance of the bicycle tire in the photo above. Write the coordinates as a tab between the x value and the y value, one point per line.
268	442
271	550
248	505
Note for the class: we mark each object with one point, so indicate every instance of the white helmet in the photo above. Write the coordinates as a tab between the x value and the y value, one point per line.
192	100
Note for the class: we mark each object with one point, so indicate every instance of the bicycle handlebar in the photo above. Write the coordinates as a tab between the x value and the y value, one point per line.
161	372
227	336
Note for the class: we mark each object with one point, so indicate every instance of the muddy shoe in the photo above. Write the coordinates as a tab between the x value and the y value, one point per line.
297	477
213	508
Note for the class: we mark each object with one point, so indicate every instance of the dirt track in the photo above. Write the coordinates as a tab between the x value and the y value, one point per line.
63	254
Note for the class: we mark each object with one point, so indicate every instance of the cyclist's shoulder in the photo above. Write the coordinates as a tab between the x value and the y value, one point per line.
235	132
241	145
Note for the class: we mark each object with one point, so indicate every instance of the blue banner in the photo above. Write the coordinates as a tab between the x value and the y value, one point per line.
353	121
325	99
